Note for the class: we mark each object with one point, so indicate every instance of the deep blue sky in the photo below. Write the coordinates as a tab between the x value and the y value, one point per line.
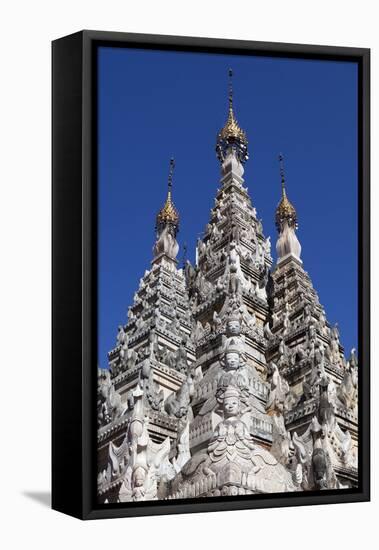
154	105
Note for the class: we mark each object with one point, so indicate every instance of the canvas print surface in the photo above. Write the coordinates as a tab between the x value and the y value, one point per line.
227	268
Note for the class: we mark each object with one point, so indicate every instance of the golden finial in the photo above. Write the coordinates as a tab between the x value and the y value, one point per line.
285	210
168	214
231	135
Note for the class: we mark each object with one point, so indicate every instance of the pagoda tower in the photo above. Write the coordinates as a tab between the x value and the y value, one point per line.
153	353
227	378
227	286
306	348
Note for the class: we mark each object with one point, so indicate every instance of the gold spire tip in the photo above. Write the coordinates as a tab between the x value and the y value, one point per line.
231	135
168	212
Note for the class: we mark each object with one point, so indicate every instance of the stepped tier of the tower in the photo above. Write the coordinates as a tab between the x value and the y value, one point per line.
159	322
233	258
154	351
298	323
301	336
228	285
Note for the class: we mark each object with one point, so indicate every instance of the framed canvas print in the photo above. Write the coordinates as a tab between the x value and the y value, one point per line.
210	275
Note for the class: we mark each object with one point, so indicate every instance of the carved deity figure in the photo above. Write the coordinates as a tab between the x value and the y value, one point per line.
312	381
233	363
231	439
232	457
235	287
233	331
145	458
123	341
284	356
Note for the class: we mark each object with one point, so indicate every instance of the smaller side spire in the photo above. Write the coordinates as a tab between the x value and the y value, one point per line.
286	222
231	137
167	224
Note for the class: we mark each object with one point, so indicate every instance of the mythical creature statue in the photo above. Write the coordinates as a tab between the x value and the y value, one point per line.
109	406
268	332
144	460
121	335
319	456
177	404
183	455
347	392
282	447
153	394
298	462
335	346
166	244
181	356
312	381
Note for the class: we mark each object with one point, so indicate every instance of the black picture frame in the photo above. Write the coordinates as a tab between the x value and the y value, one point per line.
74	295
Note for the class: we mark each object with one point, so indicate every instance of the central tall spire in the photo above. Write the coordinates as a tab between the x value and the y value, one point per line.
231	137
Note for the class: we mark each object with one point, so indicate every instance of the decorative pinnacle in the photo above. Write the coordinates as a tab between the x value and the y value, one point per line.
231	89
170	174
168	214
282	177
231	136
